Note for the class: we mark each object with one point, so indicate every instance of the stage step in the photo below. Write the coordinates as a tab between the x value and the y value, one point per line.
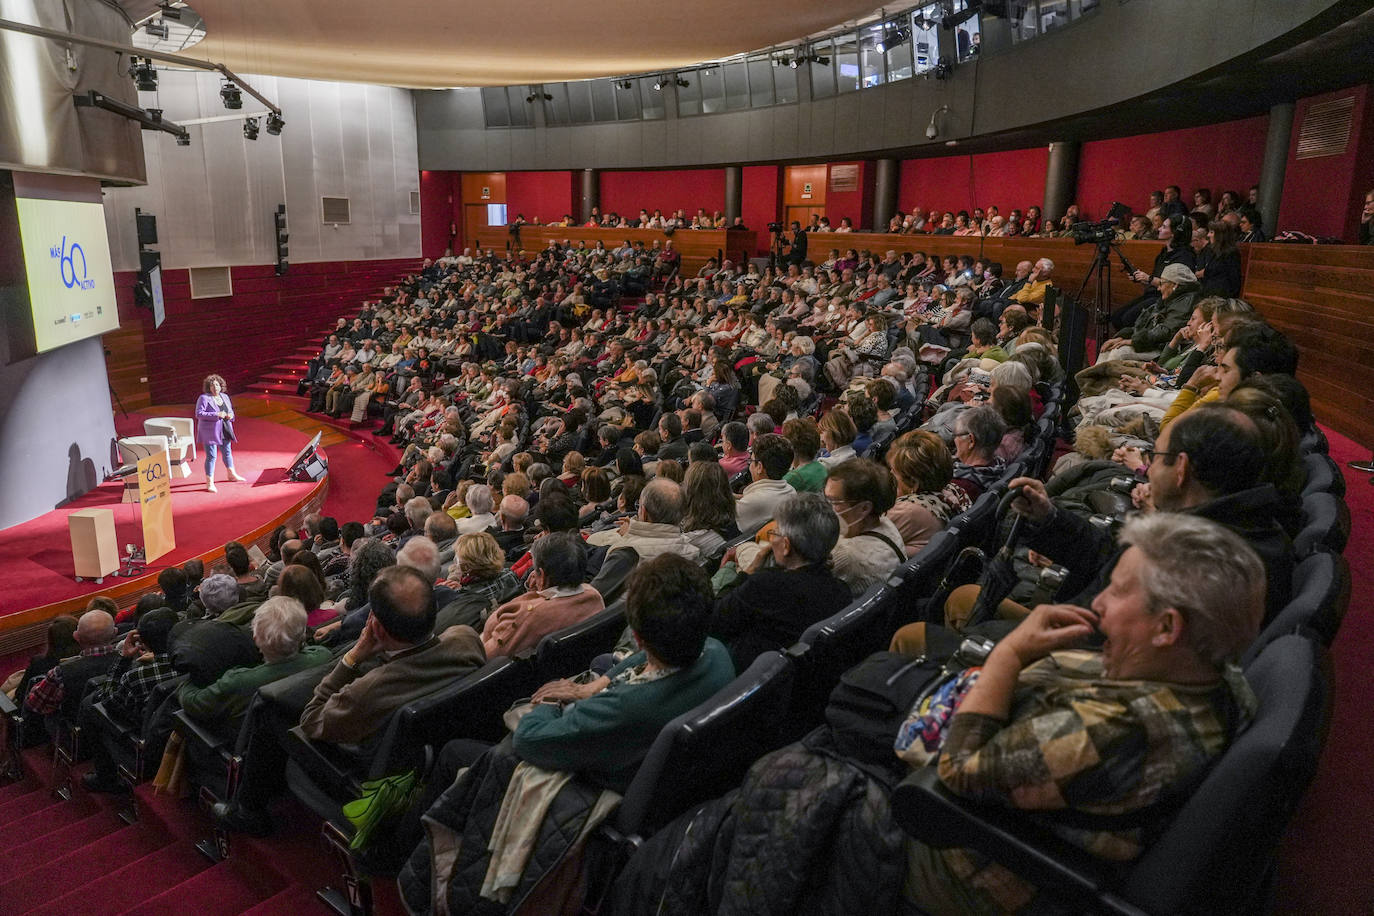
292	365
285	378
273	387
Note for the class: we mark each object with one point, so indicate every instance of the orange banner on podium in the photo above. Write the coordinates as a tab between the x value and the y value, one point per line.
155	498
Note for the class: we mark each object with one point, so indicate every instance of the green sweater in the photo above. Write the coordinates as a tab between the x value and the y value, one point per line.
228	697
808	478
606	736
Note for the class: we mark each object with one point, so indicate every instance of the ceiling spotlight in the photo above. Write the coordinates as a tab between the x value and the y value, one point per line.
820	59
169	12
658	84
681	82
624	84
144	76
547	97
231	96
250	128
275	123
183	139
157	29
530	97
794	63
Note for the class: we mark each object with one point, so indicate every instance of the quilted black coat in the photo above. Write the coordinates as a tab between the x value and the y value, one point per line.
807	833
469	808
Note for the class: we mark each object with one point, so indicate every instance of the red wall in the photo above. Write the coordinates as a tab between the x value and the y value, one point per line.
243	335
438	211
1324	196
1010	180
1222	157
856	204
547	195
761	200
627	193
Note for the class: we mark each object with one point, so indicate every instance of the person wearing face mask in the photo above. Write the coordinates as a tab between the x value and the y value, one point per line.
860	492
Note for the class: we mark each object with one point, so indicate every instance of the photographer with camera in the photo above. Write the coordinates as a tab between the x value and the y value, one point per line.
796	250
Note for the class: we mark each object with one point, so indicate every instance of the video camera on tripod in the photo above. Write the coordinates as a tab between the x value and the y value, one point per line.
1101	232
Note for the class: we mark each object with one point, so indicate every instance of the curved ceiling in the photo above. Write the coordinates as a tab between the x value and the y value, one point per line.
421	44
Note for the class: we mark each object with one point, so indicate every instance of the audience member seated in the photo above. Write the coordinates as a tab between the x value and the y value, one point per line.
480	582
838	433
807	474
927	497
978	434
861	492
57	694
770	460
479	502
59	644
787	587
1123	730
558	597
142	665
279	626
708	507
656	528
353	701
598	732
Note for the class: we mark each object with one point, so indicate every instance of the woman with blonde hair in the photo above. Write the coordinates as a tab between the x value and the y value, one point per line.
926	498
482	581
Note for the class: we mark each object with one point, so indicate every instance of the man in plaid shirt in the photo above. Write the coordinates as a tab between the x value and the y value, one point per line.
60	689
143	663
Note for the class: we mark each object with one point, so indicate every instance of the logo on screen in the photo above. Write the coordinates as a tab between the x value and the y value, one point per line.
72	265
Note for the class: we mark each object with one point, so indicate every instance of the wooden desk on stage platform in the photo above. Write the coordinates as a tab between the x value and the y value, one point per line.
696	245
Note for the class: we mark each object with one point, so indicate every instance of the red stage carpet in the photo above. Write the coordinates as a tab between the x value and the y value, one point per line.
36	556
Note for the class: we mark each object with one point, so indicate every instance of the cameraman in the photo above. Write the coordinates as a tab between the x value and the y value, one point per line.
796	252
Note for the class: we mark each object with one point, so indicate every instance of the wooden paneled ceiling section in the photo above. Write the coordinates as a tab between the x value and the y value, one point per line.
424	44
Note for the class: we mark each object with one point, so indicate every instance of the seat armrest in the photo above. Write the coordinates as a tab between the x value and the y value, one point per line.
932	814
114	725
191	730
329	766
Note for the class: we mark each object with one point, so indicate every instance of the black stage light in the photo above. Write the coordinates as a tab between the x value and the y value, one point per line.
274	123
157	29
183	140
231	96
250	128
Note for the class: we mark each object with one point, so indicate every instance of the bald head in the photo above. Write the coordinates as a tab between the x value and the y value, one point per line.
514	510
95	628
289	549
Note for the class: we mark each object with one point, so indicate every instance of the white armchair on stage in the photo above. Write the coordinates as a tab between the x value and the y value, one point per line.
181	439
131	450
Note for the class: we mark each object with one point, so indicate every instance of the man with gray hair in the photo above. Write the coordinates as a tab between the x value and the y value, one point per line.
773	605
657	530
278	632
479	502
441	528
218	593
510	530
417	510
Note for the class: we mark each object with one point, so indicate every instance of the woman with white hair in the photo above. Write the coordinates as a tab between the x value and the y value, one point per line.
479	501
278	632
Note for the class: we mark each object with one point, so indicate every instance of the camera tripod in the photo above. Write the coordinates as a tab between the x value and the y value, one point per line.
1100	269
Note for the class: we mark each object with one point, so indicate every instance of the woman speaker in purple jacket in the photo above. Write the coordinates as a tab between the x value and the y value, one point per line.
215	428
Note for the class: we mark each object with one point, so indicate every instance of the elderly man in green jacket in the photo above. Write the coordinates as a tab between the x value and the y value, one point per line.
278	631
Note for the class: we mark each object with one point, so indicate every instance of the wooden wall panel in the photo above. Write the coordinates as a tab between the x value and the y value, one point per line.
238	336
696	245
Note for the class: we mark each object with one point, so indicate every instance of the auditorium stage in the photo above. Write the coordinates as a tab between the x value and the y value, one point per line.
38	578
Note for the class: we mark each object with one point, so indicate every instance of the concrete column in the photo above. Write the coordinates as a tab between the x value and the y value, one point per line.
884	193
734	191
1275	164
589	193
1061	179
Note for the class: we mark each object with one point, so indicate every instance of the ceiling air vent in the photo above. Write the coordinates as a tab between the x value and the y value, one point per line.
414	203
211	282
334	209
1326	128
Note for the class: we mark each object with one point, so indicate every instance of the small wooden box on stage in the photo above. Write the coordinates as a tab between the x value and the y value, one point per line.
95	550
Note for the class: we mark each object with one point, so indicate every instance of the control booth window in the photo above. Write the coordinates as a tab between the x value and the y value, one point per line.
496	214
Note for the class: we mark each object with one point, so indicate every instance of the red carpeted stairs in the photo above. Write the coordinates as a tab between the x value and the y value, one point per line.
282	378
78	856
